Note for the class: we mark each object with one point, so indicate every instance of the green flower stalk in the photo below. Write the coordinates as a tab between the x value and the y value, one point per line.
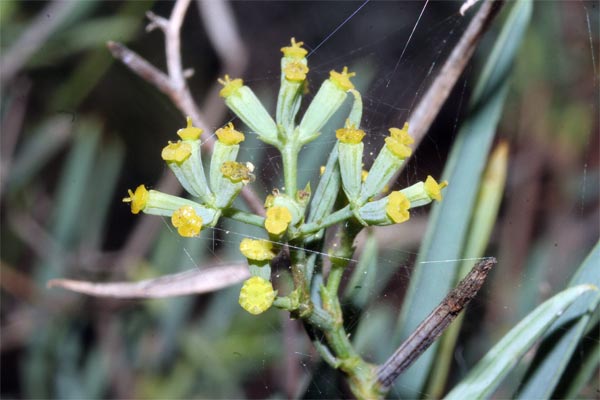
295	219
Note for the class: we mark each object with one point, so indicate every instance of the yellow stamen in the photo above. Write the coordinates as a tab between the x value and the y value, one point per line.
259	250
229	86
138	199
257	295
397	207
229	136
176	152
190	132
187	222
295	71
277	220
342	79
236	172
295	50
434	189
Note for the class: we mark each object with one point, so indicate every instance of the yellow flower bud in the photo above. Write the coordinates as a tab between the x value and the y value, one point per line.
187	222
190	132
295	50
138	199
176	152
257	295
342	79
397	207
229	136
259	250
278	218
434	189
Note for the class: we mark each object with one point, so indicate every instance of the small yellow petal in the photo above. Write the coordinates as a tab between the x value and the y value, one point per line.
295	71
138	199
230	86
399	149
401	135
434	189
257	295
295	50
259	250
229	136
322	170
190	132
278	219
342	79
176	152
397	207
187	222
363	175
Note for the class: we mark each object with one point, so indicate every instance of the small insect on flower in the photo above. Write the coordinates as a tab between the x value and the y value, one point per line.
257	295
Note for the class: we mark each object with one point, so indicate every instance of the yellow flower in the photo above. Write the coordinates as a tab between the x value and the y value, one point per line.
295	50
342	79
259	250
176	152
350	134
322	170
257	295
295	71
229	136
434	189
397	207
277	220
236	172
187	222
138	199
229	86
190	132
398	142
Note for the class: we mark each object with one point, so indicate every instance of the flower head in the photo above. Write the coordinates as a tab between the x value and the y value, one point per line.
342	79
295	71
230	86
236	172
138	199
434	189
258	250
398	142
397	207
278	219
295	51
350	134
190	132
187	222
257	295
176	152
229	136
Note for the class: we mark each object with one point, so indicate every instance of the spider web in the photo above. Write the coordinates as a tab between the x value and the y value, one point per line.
395	63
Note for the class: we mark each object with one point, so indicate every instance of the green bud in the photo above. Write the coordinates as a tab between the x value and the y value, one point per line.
293	75
325	103
385	166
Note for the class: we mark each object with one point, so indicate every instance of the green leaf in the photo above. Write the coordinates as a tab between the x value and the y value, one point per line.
443	245
560	341
497	363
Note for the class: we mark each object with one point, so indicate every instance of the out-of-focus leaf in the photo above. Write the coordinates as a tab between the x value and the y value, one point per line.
560	341
489	372
442	248
194	281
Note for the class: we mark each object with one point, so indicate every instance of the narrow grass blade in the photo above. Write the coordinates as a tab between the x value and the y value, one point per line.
489	372
442	248
560	341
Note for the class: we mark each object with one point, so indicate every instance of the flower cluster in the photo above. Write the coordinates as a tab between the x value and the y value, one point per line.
292	215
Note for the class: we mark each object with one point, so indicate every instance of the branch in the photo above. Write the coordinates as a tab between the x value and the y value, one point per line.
430	104
435	323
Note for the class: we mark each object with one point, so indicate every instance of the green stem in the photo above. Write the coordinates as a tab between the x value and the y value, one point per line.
244	217
332	219
289	153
